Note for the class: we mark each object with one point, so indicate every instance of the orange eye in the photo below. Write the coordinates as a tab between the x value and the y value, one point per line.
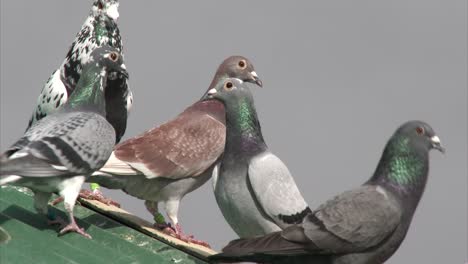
420	130
114	56
228	85
242	64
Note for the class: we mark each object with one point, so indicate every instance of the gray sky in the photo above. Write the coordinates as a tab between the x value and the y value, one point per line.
339	77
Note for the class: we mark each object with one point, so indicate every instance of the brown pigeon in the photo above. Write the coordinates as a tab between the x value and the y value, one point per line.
167	162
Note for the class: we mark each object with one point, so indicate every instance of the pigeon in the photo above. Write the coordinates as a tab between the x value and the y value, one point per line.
99	29
254	189
165	163
360	226
58	151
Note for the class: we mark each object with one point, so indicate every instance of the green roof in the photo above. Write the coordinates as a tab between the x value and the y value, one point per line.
118	236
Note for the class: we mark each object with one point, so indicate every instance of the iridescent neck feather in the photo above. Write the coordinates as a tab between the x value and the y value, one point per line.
402	166
244	131
89	91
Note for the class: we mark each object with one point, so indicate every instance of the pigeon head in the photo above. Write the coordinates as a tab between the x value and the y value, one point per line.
419	136
90	88
228	90
236	67
405	160
108	7
109	59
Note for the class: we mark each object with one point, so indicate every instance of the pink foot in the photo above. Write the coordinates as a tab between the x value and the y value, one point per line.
98	196
190	239
73	227
57	200
177	233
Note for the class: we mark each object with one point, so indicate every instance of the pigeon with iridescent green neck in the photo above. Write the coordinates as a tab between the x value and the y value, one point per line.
254	189
59	151
99	29
365	225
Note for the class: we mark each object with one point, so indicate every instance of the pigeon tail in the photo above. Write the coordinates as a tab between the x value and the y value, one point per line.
29	166
260	249
6	179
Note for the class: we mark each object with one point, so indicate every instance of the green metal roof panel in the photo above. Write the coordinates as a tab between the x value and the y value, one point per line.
31	240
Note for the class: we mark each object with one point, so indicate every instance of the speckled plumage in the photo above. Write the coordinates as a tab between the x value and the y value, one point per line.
365	225
98	30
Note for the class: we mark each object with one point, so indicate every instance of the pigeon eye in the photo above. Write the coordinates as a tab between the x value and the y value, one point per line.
100	5
228	85
242	64
420	130
114	56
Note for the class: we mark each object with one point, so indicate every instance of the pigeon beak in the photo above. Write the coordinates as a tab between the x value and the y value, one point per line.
124	71
436	144
212	92
256	79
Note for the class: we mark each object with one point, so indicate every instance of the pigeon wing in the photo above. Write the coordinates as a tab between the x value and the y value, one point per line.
354	221
183	147
275	190
65	144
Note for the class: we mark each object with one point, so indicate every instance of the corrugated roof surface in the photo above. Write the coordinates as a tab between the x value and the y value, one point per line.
118	237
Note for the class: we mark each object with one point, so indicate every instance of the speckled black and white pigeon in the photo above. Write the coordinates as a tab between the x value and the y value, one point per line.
165	163
57	153
365	225
99	29
254	189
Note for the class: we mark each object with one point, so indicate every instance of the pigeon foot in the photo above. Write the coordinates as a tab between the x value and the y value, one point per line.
73	227
98	196
179	234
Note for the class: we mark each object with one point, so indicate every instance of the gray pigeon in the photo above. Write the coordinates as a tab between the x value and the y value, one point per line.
99	29
254	189
365	225
57	152
167	162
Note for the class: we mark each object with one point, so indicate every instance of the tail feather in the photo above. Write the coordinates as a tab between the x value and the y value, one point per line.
272	248
6	179
117	167
29	166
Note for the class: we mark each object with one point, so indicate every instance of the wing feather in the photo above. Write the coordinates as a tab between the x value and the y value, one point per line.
276	190
185	146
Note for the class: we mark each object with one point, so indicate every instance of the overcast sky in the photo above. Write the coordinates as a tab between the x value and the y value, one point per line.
339	77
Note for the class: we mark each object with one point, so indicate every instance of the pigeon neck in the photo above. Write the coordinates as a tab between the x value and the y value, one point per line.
243	131
403	169
89	91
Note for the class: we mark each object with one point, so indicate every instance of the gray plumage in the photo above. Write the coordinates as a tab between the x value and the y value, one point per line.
365	225
57	152
254	189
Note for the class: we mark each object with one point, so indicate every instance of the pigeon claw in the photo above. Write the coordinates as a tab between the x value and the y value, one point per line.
176	232
73	227
57	200
97	196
